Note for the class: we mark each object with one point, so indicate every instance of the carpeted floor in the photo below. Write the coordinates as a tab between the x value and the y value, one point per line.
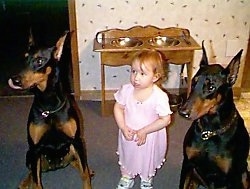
101	139
243	105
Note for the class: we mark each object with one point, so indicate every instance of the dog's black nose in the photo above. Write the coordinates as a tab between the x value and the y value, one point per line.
16	80
184	112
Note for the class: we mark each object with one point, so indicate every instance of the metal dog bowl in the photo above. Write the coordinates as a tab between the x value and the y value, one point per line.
175	101
126	42
163	41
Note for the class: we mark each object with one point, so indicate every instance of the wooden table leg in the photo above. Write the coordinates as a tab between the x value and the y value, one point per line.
103	89
190	73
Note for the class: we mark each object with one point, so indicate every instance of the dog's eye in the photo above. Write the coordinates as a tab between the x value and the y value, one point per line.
211	88
39	62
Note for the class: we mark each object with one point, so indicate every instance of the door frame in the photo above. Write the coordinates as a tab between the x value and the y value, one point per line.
74	48
245	85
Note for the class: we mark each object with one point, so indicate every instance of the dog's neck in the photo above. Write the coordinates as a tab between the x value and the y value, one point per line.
54	94
224	112
206	132
227	107
220	122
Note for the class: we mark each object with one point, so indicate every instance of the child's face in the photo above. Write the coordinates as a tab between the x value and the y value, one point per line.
142	76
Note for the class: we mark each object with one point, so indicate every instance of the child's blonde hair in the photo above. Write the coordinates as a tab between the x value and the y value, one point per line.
152	59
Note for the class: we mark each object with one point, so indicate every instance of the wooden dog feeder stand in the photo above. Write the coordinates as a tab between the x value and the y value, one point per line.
117	47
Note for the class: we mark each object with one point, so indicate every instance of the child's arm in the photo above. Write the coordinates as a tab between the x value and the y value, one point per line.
158	124
119	118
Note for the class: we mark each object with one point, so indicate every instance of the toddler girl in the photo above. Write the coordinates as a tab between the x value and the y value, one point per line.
142	113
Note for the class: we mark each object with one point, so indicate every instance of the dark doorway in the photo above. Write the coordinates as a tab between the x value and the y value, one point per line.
48	19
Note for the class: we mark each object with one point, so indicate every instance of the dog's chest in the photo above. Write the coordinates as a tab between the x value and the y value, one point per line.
209	154
55	140
55	150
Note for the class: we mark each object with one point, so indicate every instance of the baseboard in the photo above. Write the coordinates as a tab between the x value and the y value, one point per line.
95	95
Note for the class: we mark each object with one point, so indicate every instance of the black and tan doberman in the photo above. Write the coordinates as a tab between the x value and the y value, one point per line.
216	145
55	123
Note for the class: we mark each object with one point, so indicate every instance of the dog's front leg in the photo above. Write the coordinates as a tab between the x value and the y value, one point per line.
81	165
36	173
189	181
26	182
187	178
86	177
33	179
183	174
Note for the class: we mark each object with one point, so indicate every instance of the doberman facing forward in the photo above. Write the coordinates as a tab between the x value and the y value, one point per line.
55	124
216	145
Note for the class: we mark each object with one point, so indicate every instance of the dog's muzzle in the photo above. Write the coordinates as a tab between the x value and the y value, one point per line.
15	82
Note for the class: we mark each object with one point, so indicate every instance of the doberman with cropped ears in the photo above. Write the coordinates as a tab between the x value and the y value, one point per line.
55	123
216	146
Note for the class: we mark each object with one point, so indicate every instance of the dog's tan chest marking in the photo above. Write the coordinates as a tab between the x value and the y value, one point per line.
192	152
37	131
224	163
69	128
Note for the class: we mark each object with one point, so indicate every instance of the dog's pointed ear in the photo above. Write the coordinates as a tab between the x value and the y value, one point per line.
204	60
59	46
233	68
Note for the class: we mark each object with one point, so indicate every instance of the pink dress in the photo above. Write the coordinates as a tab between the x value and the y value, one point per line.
145	159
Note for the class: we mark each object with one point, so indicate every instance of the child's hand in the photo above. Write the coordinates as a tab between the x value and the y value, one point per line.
141	137
128	133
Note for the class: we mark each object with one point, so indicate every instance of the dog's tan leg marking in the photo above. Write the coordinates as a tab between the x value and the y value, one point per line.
85	175
192	152
76	165
223	163
37	131
26	182
38	172
69	128
189	181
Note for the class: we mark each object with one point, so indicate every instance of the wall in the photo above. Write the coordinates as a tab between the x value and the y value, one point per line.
224	25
